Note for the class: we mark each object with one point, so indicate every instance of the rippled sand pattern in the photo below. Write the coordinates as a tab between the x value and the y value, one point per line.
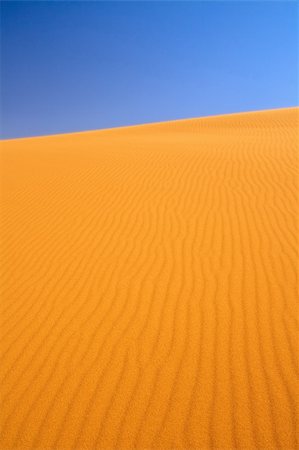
149	296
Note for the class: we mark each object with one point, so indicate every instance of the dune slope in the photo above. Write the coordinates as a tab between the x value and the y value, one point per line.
149	296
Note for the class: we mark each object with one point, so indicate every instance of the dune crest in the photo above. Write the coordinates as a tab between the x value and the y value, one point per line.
149	286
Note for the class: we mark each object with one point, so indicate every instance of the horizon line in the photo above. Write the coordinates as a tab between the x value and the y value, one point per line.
209	116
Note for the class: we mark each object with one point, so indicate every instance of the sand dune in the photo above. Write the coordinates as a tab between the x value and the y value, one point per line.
149	296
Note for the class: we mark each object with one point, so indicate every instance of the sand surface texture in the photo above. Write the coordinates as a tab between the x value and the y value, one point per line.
149	296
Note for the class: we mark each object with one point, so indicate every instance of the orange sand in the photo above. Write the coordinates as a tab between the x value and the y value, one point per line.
149	287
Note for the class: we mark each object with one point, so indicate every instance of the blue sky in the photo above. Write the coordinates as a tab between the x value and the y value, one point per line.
79	65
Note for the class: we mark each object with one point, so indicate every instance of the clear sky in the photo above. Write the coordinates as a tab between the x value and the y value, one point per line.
79	65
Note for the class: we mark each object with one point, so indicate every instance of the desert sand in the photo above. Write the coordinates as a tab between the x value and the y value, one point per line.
149	296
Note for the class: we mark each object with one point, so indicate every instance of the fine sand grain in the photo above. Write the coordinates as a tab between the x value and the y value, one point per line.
149	296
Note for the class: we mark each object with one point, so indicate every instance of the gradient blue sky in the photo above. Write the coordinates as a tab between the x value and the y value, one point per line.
79	65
